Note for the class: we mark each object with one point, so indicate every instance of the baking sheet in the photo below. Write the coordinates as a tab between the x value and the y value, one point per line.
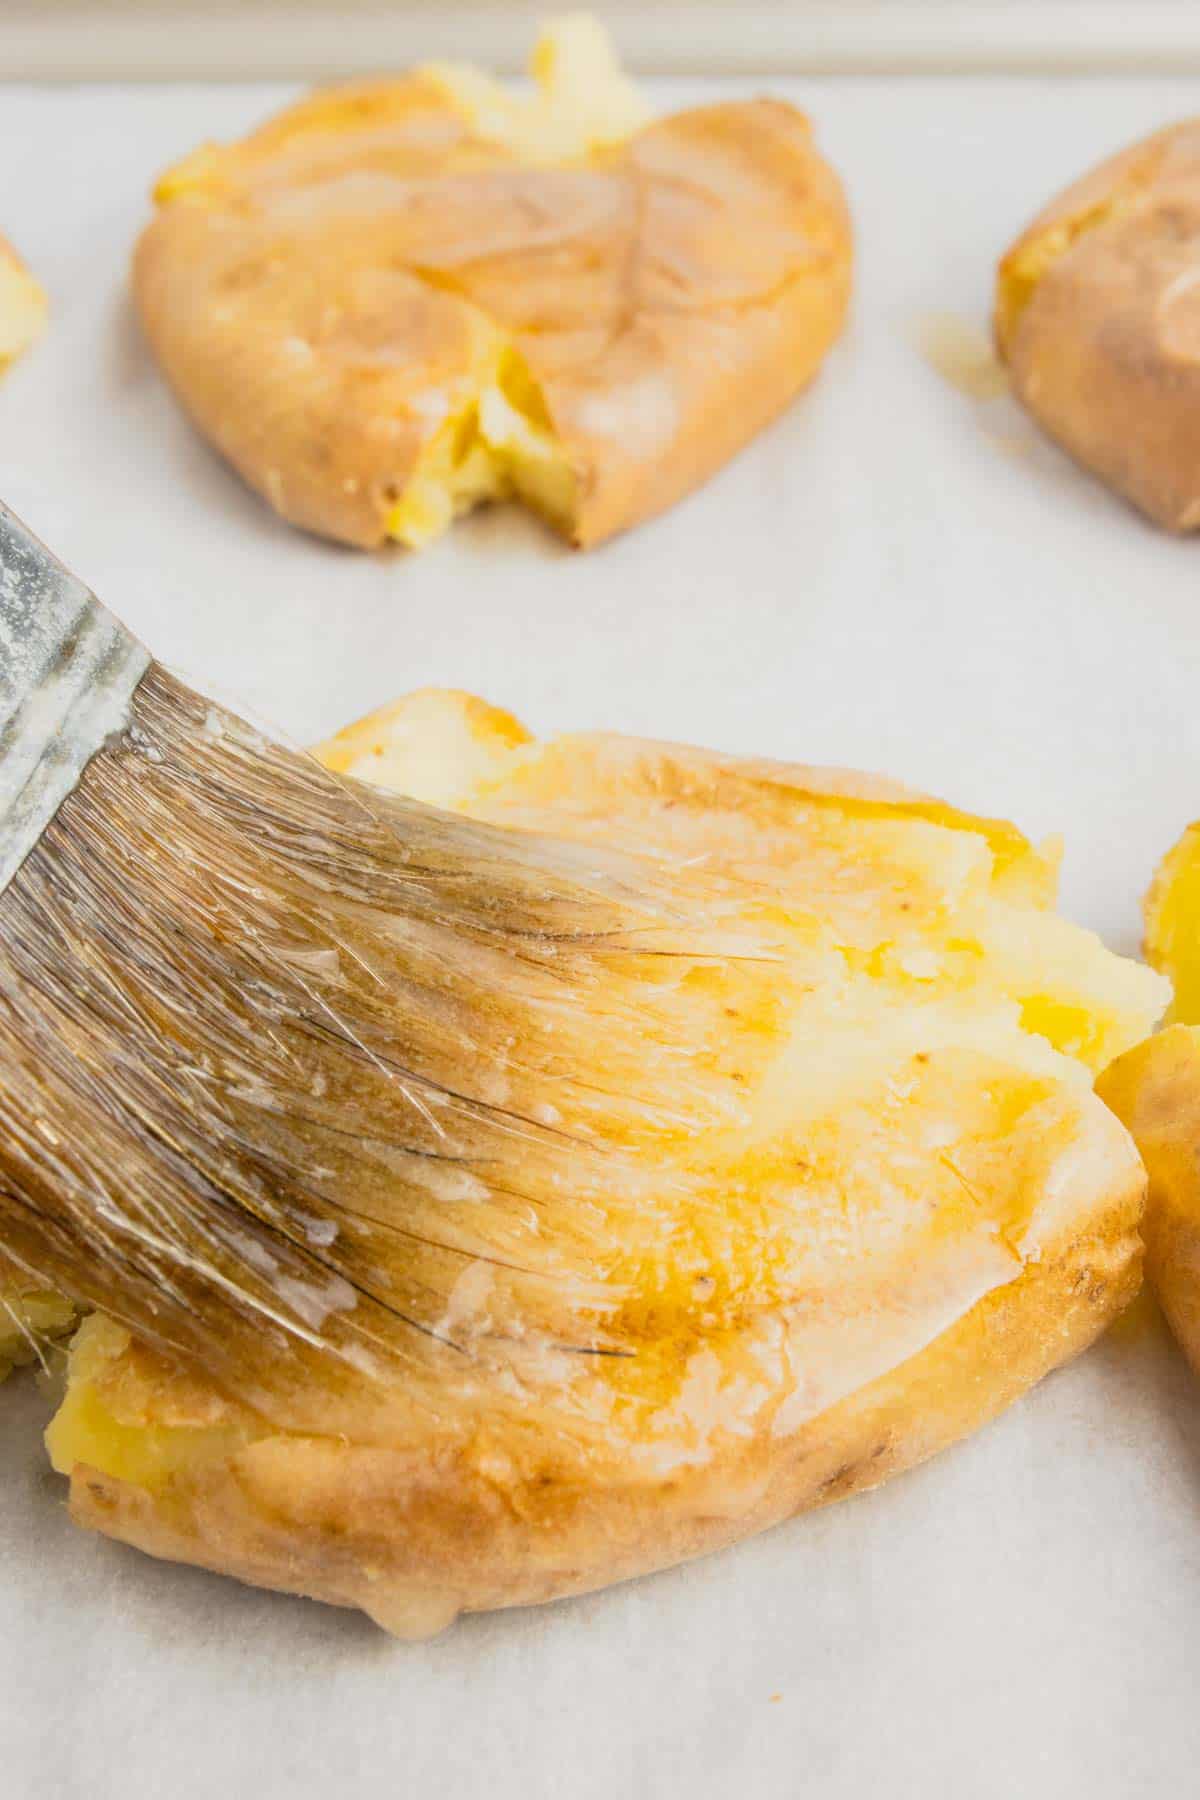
896	576
169	40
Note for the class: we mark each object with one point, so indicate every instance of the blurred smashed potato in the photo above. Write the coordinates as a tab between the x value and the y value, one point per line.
1155	1090
1098	317
402	298
22	306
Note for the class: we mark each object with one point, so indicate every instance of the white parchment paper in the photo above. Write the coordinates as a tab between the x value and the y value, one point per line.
896	576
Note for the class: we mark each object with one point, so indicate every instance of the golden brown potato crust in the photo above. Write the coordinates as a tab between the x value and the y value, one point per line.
1155	1090
1098	317
413	1539
323	296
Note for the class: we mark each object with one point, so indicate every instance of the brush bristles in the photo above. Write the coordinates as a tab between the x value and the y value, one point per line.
281	1058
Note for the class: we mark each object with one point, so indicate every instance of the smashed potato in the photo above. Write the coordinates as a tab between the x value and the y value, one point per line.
403	298
907	1207
1098	317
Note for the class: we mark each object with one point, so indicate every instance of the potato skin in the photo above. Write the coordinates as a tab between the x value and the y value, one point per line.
319	297
1098	318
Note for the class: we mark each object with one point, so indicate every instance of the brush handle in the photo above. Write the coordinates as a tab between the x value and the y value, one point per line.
68	671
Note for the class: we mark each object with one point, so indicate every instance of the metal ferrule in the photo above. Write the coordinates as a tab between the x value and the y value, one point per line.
68	671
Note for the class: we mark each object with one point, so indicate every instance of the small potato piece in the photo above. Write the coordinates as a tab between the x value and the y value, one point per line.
400	299
29	1317
1155	1091
1098	317
22	306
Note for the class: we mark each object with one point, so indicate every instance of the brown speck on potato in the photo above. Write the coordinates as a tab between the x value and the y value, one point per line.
840	1478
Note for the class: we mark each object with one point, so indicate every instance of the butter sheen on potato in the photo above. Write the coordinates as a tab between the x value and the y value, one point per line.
404	297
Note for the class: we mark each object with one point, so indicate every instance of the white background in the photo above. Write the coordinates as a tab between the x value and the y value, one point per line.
895	576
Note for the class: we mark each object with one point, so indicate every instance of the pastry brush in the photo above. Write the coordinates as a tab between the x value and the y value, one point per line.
282	1057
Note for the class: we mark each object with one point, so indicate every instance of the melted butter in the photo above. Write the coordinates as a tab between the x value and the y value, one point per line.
962	355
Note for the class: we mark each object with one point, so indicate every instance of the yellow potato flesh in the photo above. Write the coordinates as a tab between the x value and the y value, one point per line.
498	446
581	101
1173	924
113	1430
